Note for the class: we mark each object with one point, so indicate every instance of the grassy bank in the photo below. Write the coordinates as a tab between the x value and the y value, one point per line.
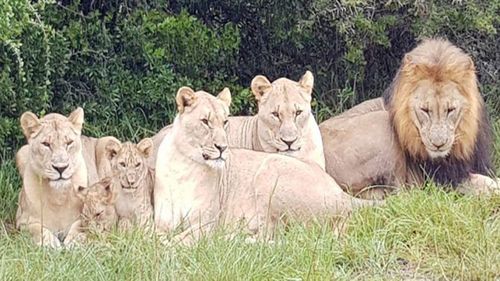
422	234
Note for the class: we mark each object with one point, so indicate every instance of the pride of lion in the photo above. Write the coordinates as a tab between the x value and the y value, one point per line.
209	170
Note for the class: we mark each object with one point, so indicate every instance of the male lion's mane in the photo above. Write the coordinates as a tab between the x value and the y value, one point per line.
438	60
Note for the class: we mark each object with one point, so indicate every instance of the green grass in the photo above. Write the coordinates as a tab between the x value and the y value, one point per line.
425	234
419	235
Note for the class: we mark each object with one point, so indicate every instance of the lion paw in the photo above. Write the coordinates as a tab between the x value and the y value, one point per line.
75	240
48	239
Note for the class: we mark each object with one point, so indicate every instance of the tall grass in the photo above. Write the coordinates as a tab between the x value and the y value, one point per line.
421	234
425	234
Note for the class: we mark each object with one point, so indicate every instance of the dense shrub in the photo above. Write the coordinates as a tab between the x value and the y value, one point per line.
123	67
123	60
353	47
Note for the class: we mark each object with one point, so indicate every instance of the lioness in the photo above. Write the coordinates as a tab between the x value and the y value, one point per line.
134	180
200	182
93	151
48	206
284	123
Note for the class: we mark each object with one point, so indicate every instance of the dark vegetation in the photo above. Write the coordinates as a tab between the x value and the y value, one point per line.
123	60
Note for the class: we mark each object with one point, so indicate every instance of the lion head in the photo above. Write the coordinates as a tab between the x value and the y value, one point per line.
129	162
54	145
284	110
436	103
202	123
98	212
437	111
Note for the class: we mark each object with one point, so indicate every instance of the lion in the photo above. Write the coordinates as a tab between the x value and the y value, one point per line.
48	206
93	150
98	212
201	182
135	181
430	124
284	123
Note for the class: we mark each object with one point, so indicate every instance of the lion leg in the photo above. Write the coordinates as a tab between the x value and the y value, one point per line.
42	236
75	235
145	218
192	234
125	224
479	185
372	193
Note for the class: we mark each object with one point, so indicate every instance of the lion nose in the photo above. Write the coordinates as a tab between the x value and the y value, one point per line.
289	143
60	169
439	145
221	148
130	179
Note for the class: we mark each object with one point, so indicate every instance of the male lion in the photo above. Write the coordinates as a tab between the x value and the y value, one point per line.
48	206
431	123
201	183
284	123
134	180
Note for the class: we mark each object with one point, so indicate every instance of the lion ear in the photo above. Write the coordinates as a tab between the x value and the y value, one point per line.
112	147
307	82
76	118
145	146
225	96
30	124
111	191
185	98
81	192
409	64
471	66
407	60
260	86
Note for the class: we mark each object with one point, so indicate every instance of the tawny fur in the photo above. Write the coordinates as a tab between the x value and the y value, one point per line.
386	144
52	165
284	115
201	183
134	181
93	154
438	61
98	211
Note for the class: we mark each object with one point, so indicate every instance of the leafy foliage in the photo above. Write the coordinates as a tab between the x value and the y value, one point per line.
123	60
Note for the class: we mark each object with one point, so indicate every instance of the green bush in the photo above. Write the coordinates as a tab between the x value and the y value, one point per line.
353	47
122	68
123	60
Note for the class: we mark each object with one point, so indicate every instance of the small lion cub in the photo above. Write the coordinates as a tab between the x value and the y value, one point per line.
134	180
98	212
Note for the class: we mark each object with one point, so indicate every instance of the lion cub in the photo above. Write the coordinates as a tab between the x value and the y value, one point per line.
134	179
98	212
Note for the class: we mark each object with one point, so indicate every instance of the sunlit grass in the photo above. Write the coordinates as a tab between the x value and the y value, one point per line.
427	234
423	234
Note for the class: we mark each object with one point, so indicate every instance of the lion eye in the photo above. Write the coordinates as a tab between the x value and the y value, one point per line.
275	114
451	109
122	164
46	144
426	110
69	143
98	214
204	121
226	122
298	112
138	164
